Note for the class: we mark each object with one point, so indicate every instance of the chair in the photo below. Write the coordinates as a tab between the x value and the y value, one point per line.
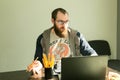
100	46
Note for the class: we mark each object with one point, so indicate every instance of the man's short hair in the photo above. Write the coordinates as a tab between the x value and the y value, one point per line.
54	13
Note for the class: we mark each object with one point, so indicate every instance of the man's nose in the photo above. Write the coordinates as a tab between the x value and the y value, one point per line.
65	24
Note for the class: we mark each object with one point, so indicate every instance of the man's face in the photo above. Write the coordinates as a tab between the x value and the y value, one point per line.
61	22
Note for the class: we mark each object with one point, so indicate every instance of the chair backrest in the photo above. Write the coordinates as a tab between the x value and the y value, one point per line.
100	46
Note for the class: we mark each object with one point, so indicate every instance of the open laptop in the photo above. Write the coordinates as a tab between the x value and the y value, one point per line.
84	68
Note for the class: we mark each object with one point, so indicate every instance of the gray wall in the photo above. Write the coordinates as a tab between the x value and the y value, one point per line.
21	22
118	31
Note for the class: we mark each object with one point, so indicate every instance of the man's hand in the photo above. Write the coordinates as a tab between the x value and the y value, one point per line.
113	76
35	66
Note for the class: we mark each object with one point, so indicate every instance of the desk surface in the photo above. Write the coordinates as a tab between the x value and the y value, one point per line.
54	78
114	64
15	75
20	75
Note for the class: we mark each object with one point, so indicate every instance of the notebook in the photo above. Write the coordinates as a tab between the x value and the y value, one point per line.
84	68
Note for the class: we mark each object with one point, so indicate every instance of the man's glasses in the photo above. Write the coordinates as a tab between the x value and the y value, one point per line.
61	22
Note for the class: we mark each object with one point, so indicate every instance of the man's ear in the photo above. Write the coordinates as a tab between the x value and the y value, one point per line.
52	20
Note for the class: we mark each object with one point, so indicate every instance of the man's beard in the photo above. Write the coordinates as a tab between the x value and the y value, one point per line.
59	32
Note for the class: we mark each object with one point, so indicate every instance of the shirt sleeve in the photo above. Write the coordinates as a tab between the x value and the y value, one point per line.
39	49
85	48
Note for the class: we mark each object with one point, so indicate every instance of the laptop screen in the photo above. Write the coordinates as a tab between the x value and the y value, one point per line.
84	68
